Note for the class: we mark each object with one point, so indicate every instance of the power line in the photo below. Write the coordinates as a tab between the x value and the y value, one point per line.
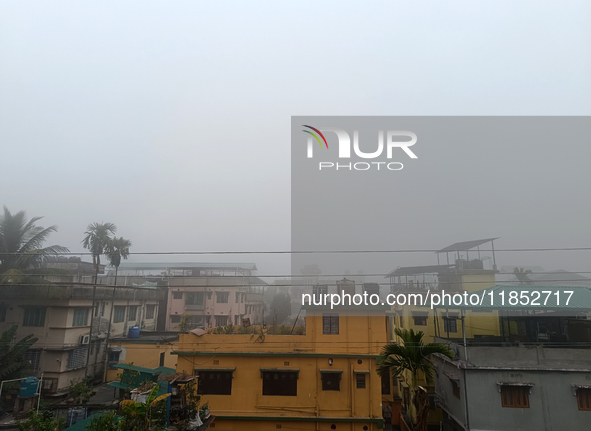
313	251
120	275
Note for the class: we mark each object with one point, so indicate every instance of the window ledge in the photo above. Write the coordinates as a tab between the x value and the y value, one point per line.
526	384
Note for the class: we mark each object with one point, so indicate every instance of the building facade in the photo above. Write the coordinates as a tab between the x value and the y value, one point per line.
321	380
73	320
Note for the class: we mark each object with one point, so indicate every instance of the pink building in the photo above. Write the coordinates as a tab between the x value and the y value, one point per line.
212	294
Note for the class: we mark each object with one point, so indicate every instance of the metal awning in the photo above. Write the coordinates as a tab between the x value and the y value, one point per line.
465	245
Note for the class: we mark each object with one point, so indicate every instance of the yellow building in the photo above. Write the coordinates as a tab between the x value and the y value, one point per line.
324	379
151	350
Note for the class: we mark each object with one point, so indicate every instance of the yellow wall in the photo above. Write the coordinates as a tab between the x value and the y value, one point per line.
145	355
360	339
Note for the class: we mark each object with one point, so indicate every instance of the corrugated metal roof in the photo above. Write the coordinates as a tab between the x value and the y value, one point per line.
556	300
465	245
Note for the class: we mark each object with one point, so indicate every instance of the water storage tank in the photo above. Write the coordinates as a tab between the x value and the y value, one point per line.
28	387
134	332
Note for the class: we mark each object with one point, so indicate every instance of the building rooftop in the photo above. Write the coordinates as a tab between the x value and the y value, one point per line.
465	245
186	265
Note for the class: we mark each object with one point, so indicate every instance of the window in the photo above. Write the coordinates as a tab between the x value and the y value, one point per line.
77	358
584	399
401	322
196	321
215	382
420	320
2	314
194	299
280	383
132	314
331	381
32	358
80	317
318	292
242	298
360	380
177	295
34	317
96	308
455	389
386	383
150	311
515	396
162	358
114	357
103	309
221	320
119	315
330	323
450	324
222	297
237	297
175	318
236	320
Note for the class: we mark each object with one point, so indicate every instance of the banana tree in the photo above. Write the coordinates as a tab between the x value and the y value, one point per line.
137	413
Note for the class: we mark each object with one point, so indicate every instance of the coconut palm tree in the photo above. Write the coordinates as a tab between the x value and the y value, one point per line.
12	356
117	249
412	355
96	240
522	275
21	248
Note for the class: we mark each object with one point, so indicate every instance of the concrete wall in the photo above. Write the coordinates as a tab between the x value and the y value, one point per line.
552	401
249	305
553	406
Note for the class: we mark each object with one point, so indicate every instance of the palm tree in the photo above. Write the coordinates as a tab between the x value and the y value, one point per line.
522	275
21	248
12	357
413	356
96	240
117	249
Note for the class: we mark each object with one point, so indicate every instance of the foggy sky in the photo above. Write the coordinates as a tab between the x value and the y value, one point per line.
172	119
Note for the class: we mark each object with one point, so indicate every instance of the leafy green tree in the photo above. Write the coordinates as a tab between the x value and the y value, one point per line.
40	422
137	414
104	422
280	308
21	248
412	355
12	357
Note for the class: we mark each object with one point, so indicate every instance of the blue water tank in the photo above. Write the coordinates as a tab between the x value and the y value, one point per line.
28	387
134	332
